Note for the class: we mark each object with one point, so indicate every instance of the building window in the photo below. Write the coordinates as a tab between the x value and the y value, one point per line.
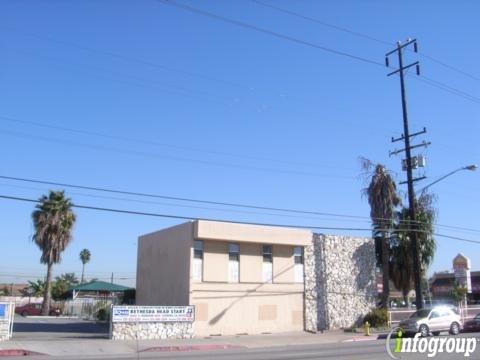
298	263
233	262
267	263
198	260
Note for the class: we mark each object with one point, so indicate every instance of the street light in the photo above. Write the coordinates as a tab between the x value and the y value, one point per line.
472	167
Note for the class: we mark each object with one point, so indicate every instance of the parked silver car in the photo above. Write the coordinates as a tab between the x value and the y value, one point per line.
435	320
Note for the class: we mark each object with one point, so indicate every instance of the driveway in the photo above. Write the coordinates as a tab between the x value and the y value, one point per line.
38	328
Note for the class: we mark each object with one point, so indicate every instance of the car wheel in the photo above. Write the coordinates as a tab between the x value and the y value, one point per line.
436	333
24	313
454	329
424	331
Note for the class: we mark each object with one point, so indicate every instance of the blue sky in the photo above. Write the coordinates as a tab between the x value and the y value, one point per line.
226	114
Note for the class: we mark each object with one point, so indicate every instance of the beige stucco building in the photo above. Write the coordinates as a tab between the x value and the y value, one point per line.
241	278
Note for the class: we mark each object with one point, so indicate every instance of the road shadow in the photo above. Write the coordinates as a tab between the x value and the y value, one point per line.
82	328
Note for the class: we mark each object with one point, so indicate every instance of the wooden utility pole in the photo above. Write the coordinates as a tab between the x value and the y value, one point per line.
411	163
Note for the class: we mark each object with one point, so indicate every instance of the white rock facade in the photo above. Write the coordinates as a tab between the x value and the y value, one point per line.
150	331
340	287
4	330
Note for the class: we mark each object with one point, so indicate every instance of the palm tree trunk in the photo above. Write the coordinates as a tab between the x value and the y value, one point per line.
47	291
385	271
83	271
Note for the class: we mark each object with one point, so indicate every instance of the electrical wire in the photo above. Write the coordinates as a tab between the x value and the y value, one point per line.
190	206
209	202
361	35
172	158
148	195
192	218
448	88
158	144
268	32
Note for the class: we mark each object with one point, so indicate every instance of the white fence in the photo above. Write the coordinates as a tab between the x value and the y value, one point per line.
85	308
88	308
7	312
21	300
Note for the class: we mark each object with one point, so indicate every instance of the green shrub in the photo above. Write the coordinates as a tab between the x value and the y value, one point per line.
377	318
102	314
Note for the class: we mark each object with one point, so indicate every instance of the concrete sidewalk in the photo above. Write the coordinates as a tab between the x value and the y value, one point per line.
105	347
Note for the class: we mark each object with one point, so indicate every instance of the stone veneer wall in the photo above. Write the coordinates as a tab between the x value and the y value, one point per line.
340	285
150	331
4	330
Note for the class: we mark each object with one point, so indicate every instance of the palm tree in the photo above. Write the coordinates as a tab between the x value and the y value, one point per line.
84	258
62	284
36	288
383	199
53	220
68	278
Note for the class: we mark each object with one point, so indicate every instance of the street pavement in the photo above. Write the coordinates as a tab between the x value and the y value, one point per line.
77	339
371	350
48	328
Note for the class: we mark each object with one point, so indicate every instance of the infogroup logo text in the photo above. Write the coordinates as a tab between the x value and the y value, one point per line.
429	345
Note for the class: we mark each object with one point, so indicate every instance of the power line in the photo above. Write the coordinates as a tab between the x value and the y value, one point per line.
361	35
142	62
127	58
155	143
268	32
209	202
189	206
439	85
426	80
155	86
182	217
323	23
448	88
142	194
173	158
457	238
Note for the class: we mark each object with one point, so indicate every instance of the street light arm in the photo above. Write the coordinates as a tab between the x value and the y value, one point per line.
469	167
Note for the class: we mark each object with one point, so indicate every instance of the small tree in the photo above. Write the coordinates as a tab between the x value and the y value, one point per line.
5	291
84	258
458	292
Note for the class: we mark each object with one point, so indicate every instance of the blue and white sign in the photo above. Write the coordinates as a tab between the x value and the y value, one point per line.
153	314
3	312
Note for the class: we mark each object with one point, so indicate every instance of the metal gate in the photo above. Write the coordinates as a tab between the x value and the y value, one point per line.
7	312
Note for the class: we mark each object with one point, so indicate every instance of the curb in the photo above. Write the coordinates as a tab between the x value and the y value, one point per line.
366	338
190	348
18	352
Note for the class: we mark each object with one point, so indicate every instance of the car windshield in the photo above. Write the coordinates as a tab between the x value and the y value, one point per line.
420	314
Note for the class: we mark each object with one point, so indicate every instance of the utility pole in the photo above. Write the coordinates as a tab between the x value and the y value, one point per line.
410	163
111	279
